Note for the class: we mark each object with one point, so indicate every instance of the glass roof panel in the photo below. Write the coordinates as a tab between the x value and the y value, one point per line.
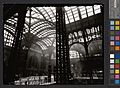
43	47
97	9
89	10
74	54
83	11
48	42
8	38
9	30
43	17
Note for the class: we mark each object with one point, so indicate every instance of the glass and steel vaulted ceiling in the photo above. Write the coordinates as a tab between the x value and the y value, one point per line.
40	21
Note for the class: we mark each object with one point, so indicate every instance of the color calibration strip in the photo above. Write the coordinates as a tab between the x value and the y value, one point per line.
115	51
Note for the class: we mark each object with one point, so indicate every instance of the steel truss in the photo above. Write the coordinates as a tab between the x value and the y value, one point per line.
62	49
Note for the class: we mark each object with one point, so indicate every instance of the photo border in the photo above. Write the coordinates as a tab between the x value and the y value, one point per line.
59	2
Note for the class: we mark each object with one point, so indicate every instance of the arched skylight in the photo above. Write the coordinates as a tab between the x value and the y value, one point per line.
74	54
40	21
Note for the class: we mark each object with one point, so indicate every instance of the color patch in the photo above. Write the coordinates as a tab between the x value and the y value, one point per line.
111	27
111	55
112	66
117	32
116	76
116	61
117	43
112	22
112	71
117	71
117	48
114	51
117	27
117	56
117	81
112	38
117	22
117	38
112	33
112	61
112	77
112	48
117	66
112	43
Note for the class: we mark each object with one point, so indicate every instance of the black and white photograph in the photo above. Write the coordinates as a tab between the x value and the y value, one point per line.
53	44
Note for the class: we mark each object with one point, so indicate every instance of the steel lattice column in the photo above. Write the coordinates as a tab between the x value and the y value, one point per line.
15	53
62	49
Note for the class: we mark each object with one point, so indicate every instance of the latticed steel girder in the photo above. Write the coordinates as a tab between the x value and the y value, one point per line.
16	47
62	49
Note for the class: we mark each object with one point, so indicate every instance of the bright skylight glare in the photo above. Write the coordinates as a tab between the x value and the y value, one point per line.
43	47
43	17
83	11
89	10
74	54
8	39
97	9
9	28
88	31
